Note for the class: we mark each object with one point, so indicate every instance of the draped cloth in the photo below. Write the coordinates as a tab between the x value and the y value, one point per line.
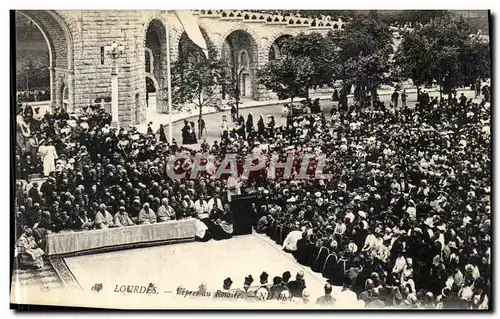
114	238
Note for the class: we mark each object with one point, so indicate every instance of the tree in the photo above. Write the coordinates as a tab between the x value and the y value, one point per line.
288	76
444	51
366	35
371	73
320	52
420	16
196	79
447	36
198	82
367	45
476	59
412	60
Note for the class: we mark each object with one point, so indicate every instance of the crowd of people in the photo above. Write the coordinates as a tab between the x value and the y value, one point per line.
282	288
403	222
33	95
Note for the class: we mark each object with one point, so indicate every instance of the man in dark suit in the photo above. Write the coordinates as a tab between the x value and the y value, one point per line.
276	288
298	285
327	299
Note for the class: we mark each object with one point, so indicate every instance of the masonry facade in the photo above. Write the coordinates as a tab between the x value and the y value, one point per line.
81	72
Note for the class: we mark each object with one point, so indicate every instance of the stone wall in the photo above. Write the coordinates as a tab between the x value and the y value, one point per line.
79	37
93	69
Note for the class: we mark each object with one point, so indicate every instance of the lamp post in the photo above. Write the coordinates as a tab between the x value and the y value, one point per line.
27	69
114	51
238	90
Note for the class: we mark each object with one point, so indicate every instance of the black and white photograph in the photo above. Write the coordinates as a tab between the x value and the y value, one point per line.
251	159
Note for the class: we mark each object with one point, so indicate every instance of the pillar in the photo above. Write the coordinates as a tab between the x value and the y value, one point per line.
114	97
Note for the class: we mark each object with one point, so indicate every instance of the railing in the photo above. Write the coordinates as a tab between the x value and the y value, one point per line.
271	18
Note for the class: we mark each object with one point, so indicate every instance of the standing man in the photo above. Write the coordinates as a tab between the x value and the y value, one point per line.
201	127
225	128
463	100
394	98
403	98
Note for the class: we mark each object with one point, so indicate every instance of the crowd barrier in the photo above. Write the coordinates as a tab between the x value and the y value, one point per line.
76	243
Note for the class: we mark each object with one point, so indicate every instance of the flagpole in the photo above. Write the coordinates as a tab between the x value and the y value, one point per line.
169	87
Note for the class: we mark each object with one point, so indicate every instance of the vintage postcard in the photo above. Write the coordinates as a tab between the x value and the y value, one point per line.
252	159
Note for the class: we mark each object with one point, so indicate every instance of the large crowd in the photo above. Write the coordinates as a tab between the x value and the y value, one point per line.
403	222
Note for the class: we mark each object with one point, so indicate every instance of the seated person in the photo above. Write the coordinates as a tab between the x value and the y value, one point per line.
221	226
201	233
103	219
165	211
122	219
290	242
80	221
146	215
27	250
263	224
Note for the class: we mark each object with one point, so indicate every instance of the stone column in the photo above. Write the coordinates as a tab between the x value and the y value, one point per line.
262	94
114	96
53	88
70	84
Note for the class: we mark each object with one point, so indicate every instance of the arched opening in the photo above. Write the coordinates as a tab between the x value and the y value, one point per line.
155	65
33	61
276	46
44	56
239	51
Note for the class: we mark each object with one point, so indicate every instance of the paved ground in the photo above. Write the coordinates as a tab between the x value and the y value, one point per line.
188	265
213	121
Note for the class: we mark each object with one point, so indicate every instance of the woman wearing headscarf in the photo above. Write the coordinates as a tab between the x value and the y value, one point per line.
240	128
249	123
161	134
261	129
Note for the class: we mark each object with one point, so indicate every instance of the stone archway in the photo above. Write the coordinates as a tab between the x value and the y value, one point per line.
155	60
59	39
240	51
276	46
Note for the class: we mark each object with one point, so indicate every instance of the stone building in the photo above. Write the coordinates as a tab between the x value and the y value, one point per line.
80	71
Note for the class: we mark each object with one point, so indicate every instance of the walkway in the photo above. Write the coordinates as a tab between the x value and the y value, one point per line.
266	108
